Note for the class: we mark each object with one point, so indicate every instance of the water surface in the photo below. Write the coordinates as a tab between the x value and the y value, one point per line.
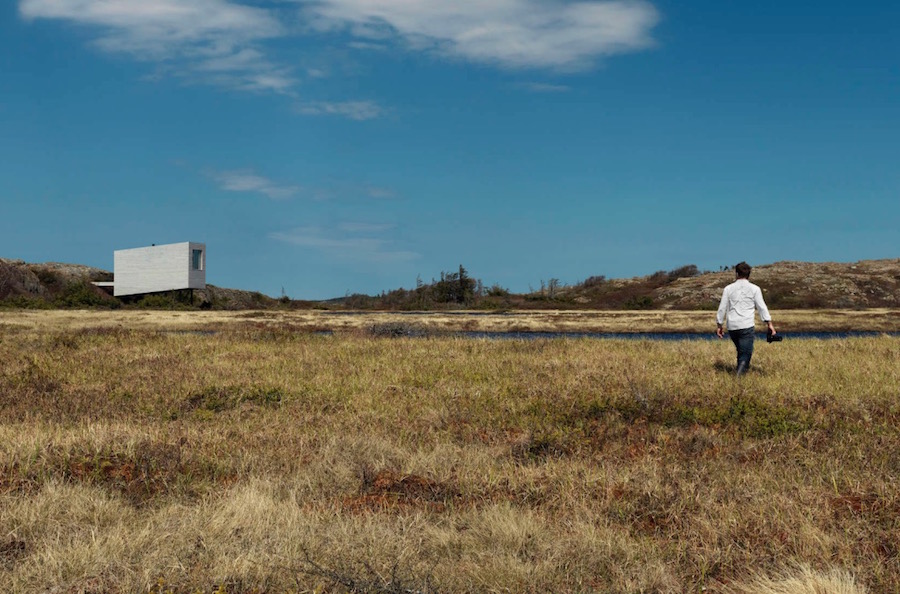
669	336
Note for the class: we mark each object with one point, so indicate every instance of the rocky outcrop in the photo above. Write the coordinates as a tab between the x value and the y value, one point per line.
70	285
48	280
786	285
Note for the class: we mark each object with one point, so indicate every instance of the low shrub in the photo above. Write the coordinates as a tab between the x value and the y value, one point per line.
398	330
83	294
221	398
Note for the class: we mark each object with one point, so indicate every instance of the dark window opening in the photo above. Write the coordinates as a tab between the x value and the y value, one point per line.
197	259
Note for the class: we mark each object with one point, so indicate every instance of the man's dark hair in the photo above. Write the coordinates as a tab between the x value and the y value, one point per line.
743	270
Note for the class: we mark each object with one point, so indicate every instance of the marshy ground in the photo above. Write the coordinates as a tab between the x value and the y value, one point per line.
267	458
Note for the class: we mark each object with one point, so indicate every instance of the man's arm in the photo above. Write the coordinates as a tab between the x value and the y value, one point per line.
720	315
764	314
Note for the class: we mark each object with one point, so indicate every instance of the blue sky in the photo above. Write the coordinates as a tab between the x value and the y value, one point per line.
339	146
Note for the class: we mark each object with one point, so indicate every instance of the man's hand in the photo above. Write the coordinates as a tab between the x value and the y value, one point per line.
772	329
720	331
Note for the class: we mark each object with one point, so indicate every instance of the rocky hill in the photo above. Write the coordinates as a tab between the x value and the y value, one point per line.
53	284
786	285
49	282
791	285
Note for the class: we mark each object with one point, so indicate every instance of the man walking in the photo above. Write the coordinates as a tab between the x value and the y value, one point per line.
740	300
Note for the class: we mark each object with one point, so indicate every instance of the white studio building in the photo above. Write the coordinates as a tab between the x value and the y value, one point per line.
158	268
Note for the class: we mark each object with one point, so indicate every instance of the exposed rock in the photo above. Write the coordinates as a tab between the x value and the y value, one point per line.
868	283
55	283
233	299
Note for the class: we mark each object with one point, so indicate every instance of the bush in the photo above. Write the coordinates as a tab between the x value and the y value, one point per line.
688	271
169	300
398	330
639	302
49	279
85	295
23	302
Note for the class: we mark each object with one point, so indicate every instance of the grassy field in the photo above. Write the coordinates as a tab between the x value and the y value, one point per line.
262	458
878	320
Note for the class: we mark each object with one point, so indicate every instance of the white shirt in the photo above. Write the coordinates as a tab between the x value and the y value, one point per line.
739	300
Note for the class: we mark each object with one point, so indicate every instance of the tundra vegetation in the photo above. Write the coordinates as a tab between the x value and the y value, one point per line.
786	285
787	321
264	458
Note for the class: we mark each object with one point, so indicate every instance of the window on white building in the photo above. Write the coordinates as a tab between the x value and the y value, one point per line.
197	259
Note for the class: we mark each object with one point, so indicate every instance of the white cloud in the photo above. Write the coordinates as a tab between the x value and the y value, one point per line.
248	181
552	34
349	241
208	41
367	45
376	192
229	42
364	227
354	110
536	87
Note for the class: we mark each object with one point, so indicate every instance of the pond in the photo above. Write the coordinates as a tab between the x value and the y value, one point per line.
672	336
402	332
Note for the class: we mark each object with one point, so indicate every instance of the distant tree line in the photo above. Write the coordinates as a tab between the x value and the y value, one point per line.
453	289
458	289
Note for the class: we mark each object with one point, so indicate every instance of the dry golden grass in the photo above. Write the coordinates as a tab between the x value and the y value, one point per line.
259	459
878	320
802	581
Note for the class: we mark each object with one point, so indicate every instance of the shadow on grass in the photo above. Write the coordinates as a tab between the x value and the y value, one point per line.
730	368
723	367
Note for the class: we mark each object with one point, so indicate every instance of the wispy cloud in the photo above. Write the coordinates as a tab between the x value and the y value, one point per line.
208	41
364	227
343	190
354	110
248	181
536	87
367	45
376	192
349	241
551	34
230	43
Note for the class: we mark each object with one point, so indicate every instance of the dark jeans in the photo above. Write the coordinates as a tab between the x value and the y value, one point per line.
743	342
